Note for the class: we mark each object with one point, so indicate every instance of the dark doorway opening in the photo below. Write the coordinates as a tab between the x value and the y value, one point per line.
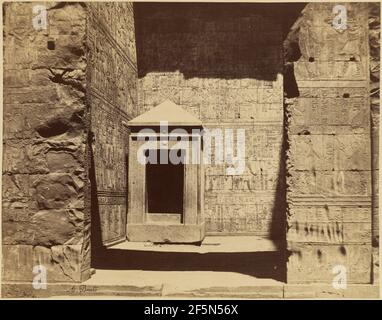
165	185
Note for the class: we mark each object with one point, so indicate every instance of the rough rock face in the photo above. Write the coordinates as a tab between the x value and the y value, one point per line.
329	180
374	43
84	61
45	115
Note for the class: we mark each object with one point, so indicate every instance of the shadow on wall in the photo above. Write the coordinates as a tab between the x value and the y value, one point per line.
96	231
214	40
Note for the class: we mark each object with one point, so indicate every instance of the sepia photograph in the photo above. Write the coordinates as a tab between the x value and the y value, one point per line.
190	150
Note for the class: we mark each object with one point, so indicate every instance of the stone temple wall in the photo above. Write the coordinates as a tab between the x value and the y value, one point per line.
45	130
78	74
112	95
329	154
374	66
223	63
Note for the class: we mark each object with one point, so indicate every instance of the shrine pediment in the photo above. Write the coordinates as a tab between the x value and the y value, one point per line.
168	111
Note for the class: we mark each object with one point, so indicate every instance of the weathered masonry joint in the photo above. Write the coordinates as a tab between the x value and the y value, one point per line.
79	90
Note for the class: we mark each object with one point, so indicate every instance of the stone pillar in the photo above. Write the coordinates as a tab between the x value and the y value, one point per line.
329	156
70	73
45	130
